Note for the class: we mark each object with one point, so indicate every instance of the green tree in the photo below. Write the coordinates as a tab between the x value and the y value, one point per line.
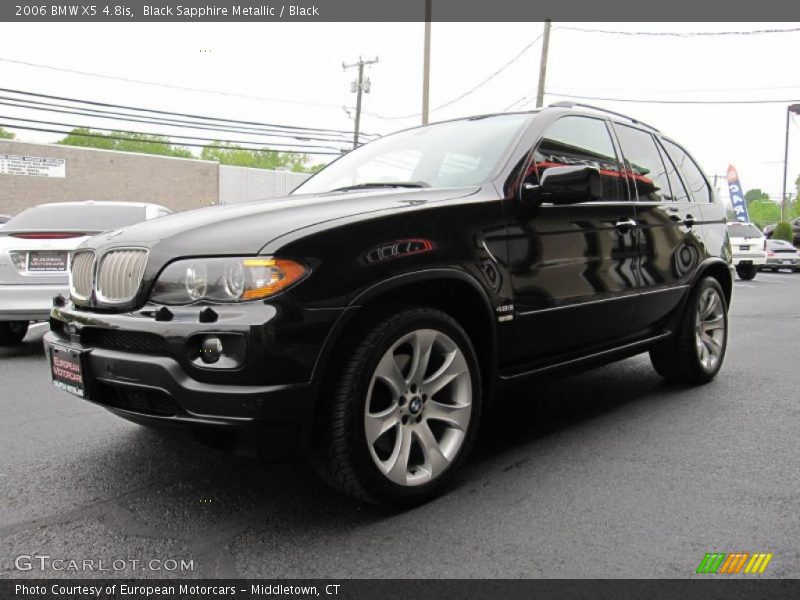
124	142
228	154
761	209
6	135
783	231
755	194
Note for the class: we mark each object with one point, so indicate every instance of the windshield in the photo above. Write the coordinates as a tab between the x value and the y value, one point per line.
75	217
741	230
452	154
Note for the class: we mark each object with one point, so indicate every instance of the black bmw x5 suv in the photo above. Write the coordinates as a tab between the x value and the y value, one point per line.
370	317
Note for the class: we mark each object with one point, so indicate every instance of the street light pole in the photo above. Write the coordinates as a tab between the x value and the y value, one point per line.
792	108
543	64
426	64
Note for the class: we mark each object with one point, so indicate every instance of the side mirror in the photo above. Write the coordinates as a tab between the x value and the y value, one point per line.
565	185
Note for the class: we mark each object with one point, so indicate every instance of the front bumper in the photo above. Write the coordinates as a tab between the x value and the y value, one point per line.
28	302
140	368
157	387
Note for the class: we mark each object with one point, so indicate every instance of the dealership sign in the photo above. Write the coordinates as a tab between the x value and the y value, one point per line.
32	166
737	197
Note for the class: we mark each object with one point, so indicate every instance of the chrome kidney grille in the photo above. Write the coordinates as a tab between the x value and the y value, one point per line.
115	278
119	275
81	275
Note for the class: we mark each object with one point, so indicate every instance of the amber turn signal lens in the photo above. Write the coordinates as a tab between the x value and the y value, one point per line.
268	276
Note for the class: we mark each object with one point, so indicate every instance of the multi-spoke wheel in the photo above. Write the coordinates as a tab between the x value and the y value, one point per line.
418	407
403	414
695	352
710	328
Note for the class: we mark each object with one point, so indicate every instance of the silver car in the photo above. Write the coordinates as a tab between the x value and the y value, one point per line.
35	251
781	255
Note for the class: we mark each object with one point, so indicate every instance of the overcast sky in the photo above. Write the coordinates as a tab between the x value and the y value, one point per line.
295	70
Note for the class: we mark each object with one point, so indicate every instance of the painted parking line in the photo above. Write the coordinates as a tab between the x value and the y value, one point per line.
738	285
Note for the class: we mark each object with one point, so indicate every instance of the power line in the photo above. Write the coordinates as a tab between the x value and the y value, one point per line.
164	85
134	118
172	114
695	90
473	89
515	103
128	139
680	33
177	137
655	101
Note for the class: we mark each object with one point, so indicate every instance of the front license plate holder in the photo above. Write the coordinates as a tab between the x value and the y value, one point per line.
68	369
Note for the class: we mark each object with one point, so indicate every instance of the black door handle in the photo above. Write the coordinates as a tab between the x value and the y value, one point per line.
689	220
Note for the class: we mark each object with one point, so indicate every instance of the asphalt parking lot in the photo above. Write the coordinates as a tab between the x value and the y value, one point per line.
610	473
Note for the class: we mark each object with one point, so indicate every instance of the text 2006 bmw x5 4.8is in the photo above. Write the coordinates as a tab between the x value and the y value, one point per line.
371	316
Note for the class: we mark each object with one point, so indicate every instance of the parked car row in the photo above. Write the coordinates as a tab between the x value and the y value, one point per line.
753	250
36	250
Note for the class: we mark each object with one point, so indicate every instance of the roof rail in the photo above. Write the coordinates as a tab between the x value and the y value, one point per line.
570	104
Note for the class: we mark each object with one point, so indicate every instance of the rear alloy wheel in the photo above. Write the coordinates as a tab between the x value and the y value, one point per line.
695	352
12	332
746	272
404	413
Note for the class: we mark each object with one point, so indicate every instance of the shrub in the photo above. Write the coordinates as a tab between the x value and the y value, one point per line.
783	231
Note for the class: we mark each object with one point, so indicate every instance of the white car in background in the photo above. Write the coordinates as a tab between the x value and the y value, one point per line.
781	255
35	251
749	248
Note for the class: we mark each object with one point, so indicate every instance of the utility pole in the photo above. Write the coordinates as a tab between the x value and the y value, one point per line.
358	87
426	63
792	108
543	64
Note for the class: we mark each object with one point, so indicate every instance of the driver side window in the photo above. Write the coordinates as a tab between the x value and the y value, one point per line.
578	140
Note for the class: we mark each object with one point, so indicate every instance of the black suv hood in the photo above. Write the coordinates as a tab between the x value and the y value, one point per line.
246	228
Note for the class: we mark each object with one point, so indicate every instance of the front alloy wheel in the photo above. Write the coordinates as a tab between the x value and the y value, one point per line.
418	407
402	416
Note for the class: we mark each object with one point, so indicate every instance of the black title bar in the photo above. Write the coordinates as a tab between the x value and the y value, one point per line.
393	10
705	588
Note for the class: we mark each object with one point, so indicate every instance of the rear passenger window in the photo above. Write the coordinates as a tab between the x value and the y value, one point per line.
679	193
578	140
692	175
645	169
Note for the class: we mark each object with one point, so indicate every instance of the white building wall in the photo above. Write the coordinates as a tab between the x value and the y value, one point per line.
243	184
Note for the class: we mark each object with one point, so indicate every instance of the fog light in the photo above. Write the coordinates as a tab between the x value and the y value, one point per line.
210	350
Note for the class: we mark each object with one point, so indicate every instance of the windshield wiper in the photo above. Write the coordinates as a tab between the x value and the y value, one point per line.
380	184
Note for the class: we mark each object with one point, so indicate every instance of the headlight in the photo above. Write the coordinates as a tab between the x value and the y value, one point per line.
225	279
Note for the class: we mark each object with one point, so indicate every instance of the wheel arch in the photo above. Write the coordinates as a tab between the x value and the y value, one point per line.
447	289
719	270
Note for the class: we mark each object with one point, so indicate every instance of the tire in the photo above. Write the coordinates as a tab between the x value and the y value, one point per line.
379	437
12	332
695	352
746	272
